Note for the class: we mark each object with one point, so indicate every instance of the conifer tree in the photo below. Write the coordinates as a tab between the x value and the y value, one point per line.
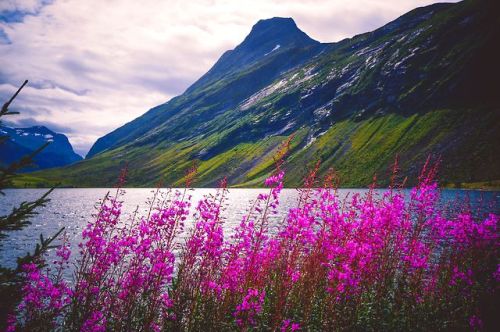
11	278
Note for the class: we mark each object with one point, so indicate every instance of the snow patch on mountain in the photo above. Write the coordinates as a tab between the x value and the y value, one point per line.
274	49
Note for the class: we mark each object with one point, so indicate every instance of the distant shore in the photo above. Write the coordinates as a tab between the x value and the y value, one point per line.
26	181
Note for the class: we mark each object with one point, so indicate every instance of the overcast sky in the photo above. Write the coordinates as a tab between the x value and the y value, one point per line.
94	65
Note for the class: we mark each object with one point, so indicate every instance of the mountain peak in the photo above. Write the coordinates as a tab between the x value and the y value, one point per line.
23	141
275	22
268	38
276	31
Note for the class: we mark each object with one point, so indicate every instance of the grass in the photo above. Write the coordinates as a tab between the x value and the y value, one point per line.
357	150
484	185
29	181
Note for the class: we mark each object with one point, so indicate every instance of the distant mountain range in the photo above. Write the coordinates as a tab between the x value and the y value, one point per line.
23	141
424	84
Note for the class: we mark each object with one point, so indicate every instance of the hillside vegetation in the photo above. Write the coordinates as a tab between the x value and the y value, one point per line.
421	85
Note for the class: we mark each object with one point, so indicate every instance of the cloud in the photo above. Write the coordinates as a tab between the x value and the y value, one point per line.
16	10
94	65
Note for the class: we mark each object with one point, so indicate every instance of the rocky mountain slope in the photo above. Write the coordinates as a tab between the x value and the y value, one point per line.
424	84
23	141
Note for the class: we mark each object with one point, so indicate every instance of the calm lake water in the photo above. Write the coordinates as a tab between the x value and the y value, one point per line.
73	208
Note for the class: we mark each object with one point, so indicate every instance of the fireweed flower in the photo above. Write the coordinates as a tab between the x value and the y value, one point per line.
330	263
249	308
46	294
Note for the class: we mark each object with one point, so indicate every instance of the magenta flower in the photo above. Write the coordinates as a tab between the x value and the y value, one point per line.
331	263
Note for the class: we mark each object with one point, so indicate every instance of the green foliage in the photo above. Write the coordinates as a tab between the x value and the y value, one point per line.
20	215
357	150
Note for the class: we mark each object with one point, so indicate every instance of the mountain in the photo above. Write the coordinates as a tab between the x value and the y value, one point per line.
272	48
23	141
424	84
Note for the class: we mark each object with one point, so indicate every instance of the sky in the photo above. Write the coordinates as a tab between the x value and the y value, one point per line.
94	65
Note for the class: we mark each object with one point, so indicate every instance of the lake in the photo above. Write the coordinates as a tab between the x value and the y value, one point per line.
73	208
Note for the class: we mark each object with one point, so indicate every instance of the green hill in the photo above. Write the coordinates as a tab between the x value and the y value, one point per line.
424	84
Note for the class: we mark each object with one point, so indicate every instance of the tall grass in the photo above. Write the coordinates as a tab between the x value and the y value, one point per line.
379	261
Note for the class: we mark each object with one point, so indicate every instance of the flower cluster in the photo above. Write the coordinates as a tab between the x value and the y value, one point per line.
379	261
46	294
249	308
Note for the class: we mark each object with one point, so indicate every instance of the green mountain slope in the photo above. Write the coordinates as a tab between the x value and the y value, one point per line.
422	84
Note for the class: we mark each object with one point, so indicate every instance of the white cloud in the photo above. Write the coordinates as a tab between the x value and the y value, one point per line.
28	6
94	65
